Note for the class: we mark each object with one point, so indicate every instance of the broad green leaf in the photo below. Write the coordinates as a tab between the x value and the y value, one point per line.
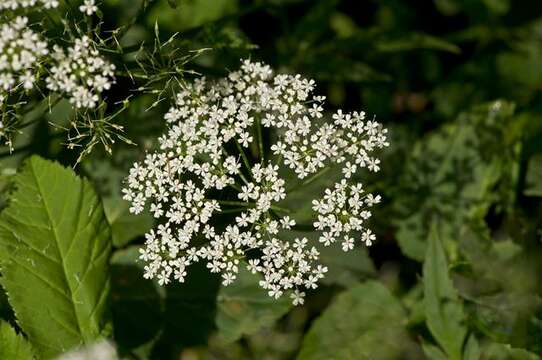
365	322
456	174
443	311
54	253
505	304
12	345
345	268
244	307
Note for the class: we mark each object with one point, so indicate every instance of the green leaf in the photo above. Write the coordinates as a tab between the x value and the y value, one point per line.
190	14
413	41
456	174
443	311
244	307
54	253
173	3
505	304
125	226
365	322
498	351
13	346
499	7
433	352
533	180
472	349
344	268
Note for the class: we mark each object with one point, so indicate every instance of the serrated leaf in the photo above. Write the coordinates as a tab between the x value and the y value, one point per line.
54	254
456	174
12	345
443	311
244	307
365	322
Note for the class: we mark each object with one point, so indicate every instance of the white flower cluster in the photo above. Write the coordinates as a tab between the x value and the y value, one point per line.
342	211
16	4
202	172
81	73
20	52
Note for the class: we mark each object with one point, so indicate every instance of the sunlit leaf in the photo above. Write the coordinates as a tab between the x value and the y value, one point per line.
54	254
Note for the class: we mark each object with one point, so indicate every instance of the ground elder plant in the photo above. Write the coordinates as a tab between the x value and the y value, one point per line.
162	199
214	128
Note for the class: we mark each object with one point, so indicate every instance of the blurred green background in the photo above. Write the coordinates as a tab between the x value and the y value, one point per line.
455	272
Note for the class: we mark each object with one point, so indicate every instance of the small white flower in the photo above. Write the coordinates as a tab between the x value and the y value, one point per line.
89	7
298	297
16	4
81	73
21	51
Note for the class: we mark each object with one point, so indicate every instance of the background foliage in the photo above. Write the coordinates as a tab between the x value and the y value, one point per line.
455	272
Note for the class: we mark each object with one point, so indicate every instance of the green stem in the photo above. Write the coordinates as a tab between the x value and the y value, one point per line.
234	203
278	208
245	159
229	211
260	139
249	205
309	180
